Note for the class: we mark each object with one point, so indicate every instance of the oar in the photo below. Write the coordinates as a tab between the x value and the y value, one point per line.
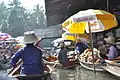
51	68
13	70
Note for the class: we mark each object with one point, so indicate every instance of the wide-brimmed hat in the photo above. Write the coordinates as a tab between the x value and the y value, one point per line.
30	37
110	40
61	44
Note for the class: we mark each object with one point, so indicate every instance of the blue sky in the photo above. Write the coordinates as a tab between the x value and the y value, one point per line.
28	4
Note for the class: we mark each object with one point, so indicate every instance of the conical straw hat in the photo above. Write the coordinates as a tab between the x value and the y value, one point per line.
30	37
110	40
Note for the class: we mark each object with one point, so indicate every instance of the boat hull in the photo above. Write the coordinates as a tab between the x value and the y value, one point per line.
115	70
90	66
58	65
45	76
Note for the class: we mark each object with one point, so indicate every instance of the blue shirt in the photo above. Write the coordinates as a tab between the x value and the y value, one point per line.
32	60
113	53
80	46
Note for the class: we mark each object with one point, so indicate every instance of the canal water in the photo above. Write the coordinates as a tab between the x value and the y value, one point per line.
4	77
78	73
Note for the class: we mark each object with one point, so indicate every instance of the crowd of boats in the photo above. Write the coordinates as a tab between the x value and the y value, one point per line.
84	60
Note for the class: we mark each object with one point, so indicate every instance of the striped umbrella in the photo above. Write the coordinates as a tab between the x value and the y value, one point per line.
90	21
97	20
4	36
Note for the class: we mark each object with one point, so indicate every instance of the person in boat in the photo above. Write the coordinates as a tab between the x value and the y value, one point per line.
103	50
63	57
80	46
31	56
112	49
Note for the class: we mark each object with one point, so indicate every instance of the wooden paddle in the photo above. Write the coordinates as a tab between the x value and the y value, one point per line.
51	68
13	70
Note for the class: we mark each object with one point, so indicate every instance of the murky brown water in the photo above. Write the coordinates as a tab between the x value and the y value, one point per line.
81	74
75	74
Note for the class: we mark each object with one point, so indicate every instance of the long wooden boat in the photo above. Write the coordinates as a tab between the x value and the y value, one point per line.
113	69
45	76
58	65
89	66
15	72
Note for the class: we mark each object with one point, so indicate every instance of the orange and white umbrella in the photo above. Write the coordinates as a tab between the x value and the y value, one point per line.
97	20
90	21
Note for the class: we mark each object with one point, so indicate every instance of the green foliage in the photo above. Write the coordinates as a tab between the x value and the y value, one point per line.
15	19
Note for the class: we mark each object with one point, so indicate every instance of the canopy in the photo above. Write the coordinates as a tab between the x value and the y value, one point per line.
97	20
74	37
90	21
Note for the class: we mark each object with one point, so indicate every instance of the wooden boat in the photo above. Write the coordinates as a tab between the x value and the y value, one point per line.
89	66
112	68
15	72
53	60
58	65
45	76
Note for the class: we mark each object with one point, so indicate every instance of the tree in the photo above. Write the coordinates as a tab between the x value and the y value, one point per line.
3	17
16	19
37	18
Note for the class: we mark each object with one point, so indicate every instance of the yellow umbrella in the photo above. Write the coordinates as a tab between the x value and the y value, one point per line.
90	21
73	37
97	20
69	36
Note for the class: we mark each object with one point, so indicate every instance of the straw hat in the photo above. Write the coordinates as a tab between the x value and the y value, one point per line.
61	44
78	40
30	37
110	40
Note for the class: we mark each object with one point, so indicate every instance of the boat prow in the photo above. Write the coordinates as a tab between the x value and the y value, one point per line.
113	69
90	66
45	76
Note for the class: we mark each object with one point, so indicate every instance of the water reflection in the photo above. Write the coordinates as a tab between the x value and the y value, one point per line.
81	74
77	73
4	77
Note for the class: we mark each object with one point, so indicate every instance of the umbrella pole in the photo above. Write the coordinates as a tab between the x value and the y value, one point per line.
107	5
75	44
91	45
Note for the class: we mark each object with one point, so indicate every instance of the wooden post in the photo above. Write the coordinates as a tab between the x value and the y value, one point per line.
91	45
107	5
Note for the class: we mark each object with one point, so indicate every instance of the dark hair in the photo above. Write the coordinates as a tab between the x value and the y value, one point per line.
30	44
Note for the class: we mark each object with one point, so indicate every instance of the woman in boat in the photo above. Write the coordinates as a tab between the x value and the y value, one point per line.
30	55
112	49
63	57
